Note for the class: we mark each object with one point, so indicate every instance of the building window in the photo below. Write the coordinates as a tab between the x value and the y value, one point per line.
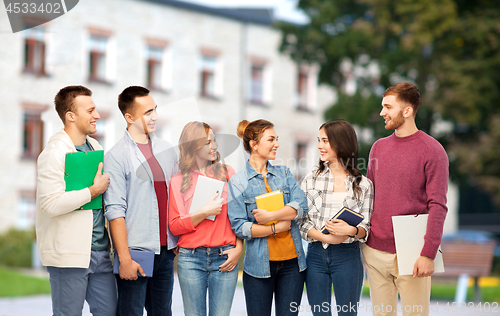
305	91
208	66
257	84
259	81
302	95
34	51
154	67
301	150
97	58
26	210
33	134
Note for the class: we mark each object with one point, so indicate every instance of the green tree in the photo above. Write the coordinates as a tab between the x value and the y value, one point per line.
448	48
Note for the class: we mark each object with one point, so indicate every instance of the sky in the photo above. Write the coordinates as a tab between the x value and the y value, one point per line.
283	9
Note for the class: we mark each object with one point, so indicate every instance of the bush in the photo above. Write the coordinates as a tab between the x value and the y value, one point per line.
15	248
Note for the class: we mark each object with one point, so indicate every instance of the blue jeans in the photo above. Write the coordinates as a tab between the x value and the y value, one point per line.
198	271
286	283
70	287
154	294
339	265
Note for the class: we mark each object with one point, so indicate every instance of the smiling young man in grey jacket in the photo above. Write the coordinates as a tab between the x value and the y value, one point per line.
73	244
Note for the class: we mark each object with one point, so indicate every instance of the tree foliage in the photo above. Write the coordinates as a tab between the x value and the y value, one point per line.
449	48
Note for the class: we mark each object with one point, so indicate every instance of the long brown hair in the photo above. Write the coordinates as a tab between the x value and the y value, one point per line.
193	137
252	131
342	138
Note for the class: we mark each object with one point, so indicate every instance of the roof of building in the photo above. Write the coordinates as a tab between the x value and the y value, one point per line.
262	16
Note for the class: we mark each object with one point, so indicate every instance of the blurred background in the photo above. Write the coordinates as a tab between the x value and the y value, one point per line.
295	63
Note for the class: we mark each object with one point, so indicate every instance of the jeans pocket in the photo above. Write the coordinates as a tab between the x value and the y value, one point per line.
185	251
227	247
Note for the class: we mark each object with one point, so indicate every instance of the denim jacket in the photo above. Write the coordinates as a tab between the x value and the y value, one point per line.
242	190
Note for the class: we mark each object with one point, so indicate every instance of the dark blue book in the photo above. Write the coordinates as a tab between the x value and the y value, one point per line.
347	215
146	258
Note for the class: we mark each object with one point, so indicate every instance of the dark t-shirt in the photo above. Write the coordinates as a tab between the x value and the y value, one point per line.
100	238
160	188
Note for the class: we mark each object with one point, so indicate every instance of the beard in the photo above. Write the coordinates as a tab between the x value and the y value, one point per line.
396	122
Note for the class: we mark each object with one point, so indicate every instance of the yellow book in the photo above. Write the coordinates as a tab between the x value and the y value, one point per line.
270	202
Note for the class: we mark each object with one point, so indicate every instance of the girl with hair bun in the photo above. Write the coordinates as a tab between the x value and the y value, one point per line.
208	249
274	262
335	258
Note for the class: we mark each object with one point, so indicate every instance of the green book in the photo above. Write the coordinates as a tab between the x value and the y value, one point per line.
79	173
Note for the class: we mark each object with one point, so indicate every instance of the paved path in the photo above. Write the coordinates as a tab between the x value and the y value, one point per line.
41	305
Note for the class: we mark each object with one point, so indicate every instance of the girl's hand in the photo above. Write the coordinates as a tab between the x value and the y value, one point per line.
283	226
213	207
233	256
332	239
261	216
338	227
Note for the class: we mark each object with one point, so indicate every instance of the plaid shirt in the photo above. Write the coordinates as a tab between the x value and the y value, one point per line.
319	193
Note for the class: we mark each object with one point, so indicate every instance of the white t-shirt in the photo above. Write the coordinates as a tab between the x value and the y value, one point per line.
337	203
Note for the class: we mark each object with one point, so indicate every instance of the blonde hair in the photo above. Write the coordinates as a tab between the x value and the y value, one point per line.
248	131
193	137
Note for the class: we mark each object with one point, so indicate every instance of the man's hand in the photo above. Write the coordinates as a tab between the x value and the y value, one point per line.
424	267
129	268
176	250
261	216
101	183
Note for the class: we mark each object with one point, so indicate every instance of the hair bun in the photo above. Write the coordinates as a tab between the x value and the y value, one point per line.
240	130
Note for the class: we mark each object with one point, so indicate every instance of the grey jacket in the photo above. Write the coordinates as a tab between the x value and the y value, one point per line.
131	193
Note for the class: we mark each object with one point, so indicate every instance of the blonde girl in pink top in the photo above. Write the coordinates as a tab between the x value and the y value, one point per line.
209	251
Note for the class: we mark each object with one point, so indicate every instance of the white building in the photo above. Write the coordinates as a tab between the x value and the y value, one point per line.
219	65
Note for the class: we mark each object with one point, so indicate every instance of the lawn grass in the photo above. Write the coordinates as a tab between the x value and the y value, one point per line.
446	292
13	283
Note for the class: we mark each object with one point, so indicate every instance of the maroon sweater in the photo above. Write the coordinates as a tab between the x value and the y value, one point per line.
410	176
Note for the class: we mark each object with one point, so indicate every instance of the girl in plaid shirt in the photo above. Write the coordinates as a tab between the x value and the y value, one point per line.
334	258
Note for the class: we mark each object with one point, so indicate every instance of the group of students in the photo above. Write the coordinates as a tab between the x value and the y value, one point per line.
148	192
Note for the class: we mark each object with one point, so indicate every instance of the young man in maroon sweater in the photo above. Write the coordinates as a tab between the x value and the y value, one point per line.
409	171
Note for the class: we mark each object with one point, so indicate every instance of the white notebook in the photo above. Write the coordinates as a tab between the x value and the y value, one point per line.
409	232
205	189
